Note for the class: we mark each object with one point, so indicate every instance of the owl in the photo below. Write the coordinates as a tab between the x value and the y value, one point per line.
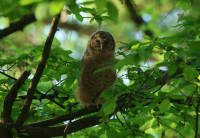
98	54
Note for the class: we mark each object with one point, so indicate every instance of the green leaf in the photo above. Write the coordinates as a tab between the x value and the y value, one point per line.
164	105
149	107
144	54
155	123
28	2
62	95
162	64
190	73
56	7
79	17
112	11
87	2
128	60
184	4
109	106
106	19
189	90
104	68
44	86
92	20
62	53
166	55
98	19
100	5
14	131
151	82
74	8
172	68
41	11
71	78
88	10
135	43
115	133
194	49
108	93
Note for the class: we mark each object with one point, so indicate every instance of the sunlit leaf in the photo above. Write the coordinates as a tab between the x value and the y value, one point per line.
164	105
27	2
87	2
79	17
184	4
172	68
56	7
41	11
100	5
112	11
128	60
190	73
109	106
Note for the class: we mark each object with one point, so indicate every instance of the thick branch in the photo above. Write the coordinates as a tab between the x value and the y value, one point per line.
25	110
19	25
46	132
62	118
16	26
40	129
136	17
10	98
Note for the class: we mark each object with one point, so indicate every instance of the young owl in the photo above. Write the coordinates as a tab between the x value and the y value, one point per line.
98	54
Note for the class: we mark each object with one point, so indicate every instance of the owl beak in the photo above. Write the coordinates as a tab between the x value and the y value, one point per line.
101	46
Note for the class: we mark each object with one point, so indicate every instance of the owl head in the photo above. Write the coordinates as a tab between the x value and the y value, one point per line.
102	42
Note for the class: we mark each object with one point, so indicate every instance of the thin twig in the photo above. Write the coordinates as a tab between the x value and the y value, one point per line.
54	86
65	130
7	75
9	67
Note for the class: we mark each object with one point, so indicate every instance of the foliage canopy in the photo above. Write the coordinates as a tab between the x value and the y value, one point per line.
157	93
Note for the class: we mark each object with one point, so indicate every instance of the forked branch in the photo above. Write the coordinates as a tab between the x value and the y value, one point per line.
10	98
33	85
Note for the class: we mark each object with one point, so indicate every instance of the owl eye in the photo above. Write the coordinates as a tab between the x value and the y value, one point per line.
103	36
96	40
106	42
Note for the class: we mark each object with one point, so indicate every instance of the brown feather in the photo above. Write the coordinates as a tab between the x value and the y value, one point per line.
99	53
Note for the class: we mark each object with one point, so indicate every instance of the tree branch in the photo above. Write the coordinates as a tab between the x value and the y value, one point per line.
10	98
8	75
46	132
136	17
16	26
27	19
25	110
62	118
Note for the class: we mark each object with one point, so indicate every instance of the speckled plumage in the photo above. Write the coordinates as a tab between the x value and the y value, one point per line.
98	54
